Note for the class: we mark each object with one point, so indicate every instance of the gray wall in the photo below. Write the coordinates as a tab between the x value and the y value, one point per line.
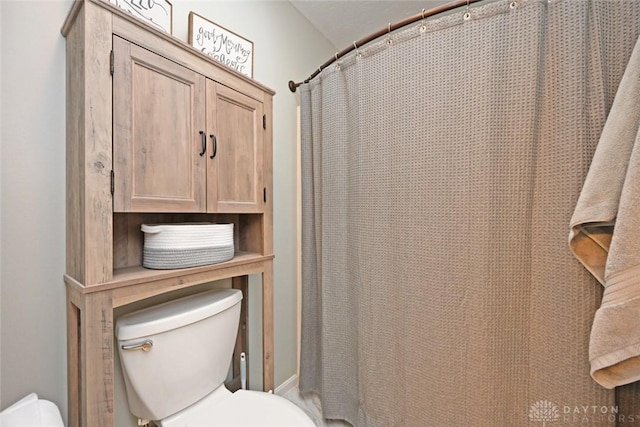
32	173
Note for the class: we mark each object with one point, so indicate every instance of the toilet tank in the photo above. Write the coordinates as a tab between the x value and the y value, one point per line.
175	353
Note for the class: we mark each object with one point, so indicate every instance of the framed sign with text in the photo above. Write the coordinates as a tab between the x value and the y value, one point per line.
223	45
158	13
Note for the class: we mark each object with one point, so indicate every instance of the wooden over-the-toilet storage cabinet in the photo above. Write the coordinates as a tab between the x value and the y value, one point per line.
156	133
168	117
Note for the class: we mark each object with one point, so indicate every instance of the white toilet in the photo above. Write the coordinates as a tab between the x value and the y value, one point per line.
31	412
175	358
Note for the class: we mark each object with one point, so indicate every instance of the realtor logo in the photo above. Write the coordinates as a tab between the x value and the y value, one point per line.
544	411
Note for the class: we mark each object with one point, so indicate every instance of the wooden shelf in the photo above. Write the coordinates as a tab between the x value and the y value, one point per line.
134	283
138	274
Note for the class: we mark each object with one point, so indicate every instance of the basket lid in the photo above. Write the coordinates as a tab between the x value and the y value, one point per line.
175	314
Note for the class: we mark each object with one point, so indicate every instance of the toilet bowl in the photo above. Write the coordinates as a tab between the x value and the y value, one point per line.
175	358
31	412
240	409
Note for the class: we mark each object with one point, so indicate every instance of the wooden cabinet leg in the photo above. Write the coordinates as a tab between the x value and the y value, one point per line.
73	363
267	326
96	356
242	341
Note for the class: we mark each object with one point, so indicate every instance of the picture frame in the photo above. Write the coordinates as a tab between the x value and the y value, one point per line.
221	44
157	13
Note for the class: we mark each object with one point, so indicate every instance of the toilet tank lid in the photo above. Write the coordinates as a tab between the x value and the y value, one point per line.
176	313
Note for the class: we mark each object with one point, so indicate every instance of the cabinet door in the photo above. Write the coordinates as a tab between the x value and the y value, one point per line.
158	126
234	174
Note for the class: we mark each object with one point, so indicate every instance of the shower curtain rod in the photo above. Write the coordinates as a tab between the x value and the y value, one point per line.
420	16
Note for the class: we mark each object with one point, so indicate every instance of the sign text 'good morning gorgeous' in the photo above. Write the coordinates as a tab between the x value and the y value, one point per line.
221	44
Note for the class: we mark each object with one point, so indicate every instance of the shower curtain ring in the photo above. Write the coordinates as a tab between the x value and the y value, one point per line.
467	14
423	27
389	41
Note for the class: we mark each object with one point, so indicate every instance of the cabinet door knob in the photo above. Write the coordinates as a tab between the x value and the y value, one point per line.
204	142
214	141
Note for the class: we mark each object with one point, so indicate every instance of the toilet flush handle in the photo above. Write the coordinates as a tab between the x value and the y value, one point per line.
144	346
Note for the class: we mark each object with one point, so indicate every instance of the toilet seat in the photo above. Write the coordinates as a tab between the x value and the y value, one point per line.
240	409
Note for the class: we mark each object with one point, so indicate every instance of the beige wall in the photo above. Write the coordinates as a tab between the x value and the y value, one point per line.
32	171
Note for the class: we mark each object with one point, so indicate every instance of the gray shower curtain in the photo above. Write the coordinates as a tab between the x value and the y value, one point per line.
441	166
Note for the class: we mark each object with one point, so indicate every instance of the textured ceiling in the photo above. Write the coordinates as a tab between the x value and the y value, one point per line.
345	21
